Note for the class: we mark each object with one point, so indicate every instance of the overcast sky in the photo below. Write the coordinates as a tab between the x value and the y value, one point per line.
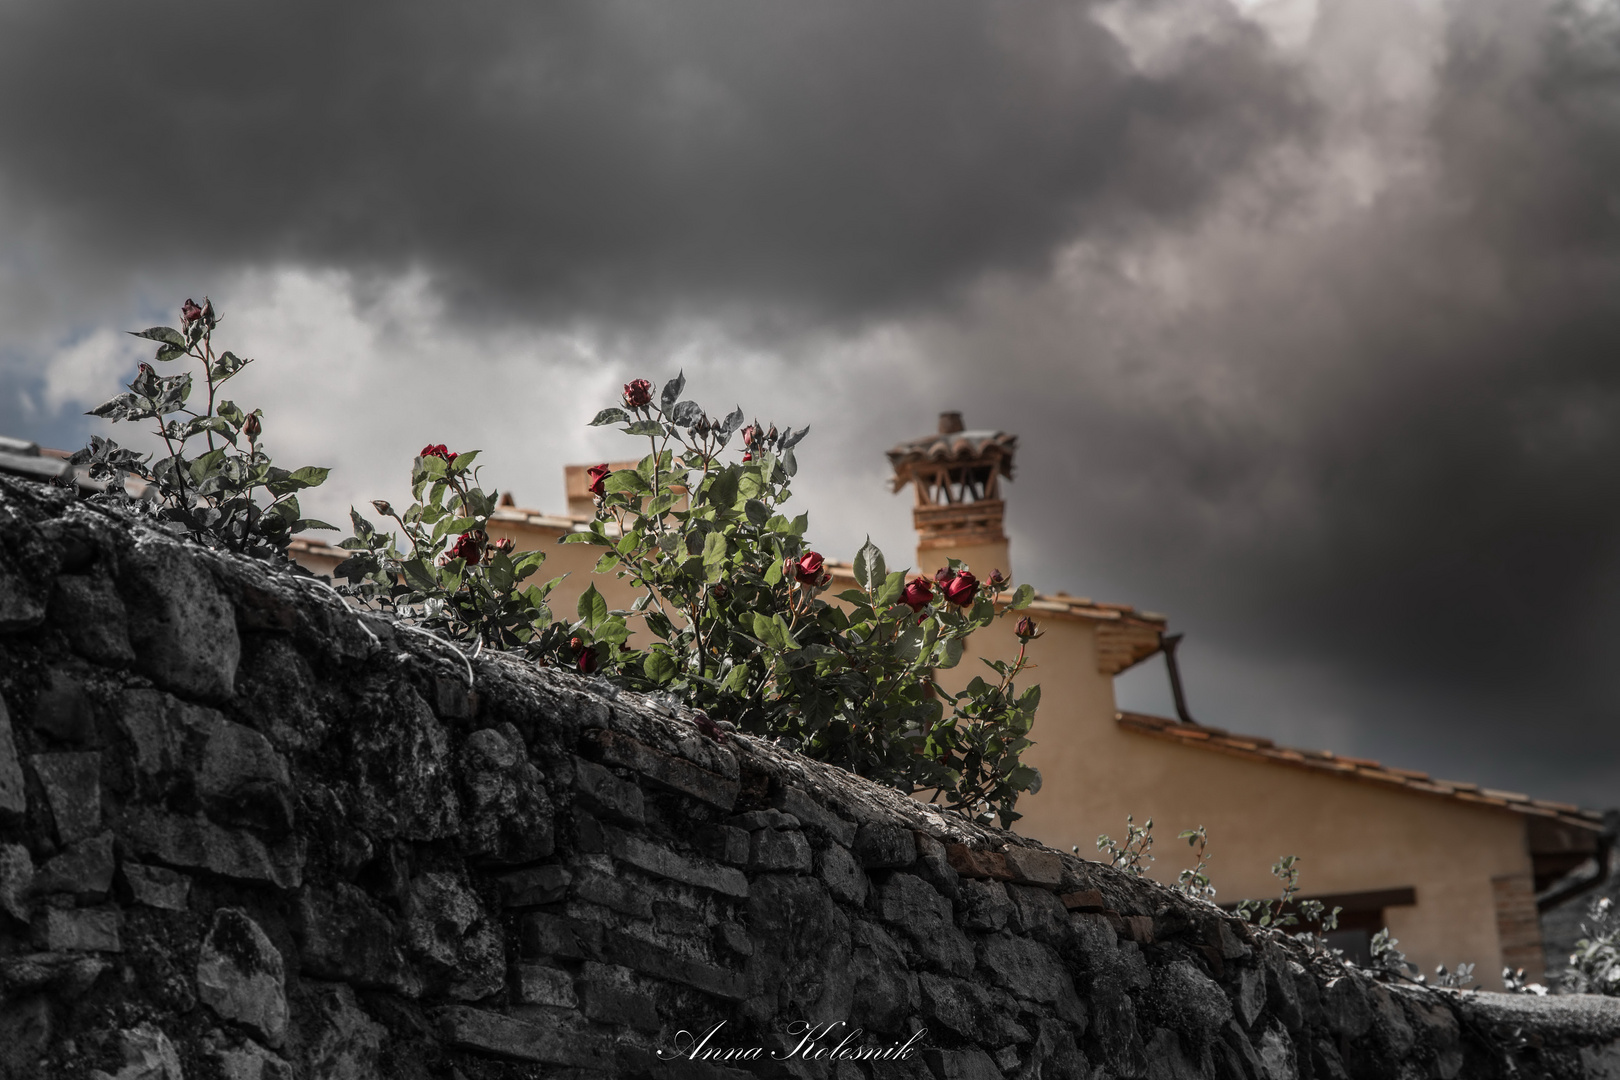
1307	314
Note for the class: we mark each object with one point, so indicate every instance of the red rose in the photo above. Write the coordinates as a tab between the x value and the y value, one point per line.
748	457
586	661
467	548
918	593
961	589
190	312
997	579
598	475
505	545
748	434
944	574
253	428
637	393
437	450
808	567
1027	628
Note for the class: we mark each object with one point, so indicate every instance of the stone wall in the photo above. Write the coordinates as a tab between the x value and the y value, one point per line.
248	832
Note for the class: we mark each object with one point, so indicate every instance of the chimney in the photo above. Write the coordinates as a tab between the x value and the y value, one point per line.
956	475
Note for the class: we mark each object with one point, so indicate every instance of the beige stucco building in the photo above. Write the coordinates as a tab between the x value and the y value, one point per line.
1452	869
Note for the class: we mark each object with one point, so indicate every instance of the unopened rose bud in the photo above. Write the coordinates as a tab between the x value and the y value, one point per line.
505	545
190	312
382	507
1027	629
748	457
997	579
576	643
770	436
252	428
637	393
748	434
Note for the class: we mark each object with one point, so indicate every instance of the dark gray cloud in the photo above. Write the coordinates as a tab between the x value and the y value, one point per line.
1314	345
618	159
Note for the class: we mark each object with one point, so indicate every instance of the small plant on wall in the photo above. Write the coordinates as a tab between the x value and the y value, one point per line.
216	478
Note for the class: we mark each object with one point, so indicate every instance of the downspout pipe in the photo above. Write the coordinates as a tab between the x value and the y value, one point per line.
1167	645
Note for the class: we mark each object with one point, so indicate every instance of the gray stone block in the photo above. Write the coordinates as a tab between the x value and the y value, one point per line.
63	710
88	611
343	935
13	792
157	887
842	874
610	994
16	881
1031	970
615	893
969	1064
197	843
812	815
661	861
774	849
1249	995
913	905
182	627
607	795
240	975
82	930
672	772
723	842
86	869
506	813
649	959
539	984
565	1040
460	945
1346	1008
878	846
1193	998
534	886
72	784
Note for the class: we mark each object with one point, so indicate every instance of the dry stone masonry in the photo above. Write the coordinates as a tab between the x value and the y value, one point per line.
249	833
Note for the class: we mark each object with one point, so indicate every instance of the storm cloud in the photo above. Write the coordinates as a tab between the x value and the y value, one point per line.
1307	313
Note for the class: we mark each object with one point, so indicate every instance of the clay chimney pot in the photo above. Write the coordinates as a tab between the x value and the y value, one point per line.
950	423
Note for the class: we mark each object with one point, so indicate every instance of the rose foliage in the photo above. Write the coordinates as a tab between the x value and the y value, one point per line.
734	615
216	479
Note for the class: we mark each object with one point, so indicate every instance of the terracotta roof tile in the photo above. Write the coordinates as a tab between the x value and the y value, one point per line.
1258	749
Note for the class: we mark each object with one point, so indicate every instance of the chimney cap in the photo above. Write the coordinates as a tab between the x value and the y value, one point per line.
950	422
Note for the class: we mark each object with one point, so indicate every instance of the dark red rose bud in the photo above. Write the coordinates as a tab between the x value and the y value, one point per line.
997	579
944	574
918	593
505	545
467	548
770	436
576	643
749	433
808	567
1027	628
147	369
382	507
748	457
598	475
207	315
961	589
708	727
637	393
437	450
253	428
587	660
190	312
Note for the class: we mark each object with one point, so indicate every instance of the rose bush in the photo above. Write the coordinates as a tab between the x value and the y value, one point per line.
739	622
733	612
227	494
446	574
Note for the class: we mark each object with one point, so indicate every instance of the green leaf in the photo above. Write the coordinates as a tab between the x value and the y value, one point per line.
592	608
672	392
1022	597
722	492
758	513
645	427
625	480
161	333
610	416
607	562
314	523
869	569
659	666
714	555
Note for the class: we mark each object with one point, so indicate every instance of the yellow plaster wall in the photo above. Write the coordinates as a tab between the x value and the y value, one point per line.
1351	835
